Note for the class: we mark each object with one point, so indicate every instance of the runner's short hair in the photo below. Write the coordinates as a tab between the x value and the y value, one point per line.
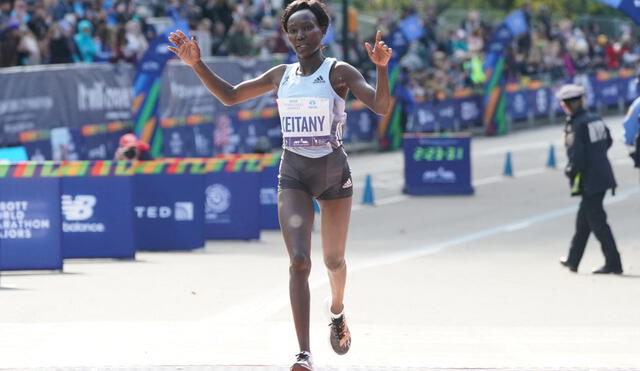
318	8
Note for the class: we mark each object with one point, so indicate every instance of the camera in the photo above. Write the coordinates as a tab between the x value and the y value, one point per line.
130	153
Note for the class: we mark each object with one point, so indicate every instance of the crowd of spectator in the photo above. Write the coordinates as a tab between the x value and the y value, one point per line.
449	57
446	59
67	31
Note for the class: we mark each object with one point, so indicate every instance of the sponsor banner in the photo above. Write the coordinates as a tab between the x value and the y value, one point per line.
608	92
168	211
178	142
437	164
66	144
232	205
38	150
470	111
269	197
446	115
30	233
422	119
539	101
97	217
183	94
68	96
361	126
629	87
517	106
227	134
100	141
101	146
233	134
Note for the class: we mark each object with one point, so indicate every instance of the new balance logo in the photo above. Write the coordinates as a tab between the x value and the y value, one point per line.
319	80
347	184
78	208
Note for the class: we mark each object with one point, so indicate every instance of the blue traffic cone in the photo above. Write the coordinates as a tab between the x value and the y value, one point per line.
551	162
508	169
367	197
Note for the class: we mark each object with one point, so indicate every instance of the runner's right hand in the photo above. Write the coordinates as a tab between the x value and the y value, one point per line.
186	49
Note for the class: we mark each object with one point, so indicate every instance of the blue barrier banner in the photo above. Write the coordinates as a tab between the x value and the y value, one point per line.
629	88
38	150
45	97
66	144
203	140
608	92
539	101
168	211
97	217
361	126
517	107
269	198
178	142
446	114
30	234
437	165
470	111
232	206
422	119
101	146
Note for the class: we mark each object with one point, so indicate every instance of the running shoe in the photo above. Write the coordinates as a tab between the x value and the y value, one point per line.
339	336
304	362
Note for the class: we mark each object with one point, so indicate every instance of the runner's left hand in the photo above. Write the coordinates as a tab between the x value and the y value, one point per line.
380	53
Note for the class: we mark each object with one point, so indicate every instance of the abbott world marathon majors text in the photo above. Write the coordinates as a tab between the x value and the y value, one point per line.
15	223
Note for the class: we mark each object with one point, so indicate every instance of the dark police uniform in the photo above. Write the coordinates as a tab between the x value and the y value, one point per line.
587	140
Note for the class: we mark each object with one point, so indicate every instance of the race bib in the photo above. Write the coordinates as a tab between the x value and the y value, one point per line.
305	122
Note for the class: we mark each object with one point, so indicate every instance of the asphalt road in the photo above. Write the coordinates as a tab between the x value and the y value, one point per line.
459	282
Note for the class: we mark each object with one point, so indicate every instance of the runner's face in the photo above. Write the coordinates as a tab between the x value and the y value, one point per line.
304	33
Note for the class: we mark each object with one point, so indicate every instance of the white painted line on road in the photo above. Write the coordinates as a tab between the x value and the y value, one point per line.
488	180
517	226
262	307
516	147
531	172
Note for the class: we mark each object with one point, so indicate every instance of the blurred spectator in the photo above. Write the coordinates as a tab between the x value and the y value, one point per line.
9	41
218	40
219	11
5	13
132	149
135	42
28	48
62	48
87	48
239	40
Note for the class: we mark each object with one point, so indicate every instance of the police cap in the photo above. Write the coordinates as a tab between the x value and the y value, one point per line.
570	91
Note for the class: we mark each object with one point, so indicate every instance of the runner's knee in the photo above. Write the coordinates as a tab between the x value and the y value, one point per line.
334	264
300	263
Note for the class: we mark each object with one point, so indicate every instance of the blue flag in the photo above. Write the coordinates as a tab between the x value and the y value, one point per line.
146	89
516	23
412	28
628	7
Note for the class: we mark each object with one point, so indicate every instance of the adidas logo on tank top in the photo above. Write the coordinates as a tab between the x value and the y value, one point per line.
319	80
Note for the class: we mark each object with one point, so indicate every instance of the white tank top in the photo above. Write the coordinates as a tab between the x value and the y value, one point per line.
311	112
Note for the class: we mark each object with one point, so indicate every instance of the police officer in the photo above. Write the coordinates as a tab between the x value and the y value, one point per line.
587	140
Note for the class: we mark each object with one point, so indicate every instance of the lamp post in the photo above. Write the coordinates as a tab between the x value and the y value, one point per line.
345	30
